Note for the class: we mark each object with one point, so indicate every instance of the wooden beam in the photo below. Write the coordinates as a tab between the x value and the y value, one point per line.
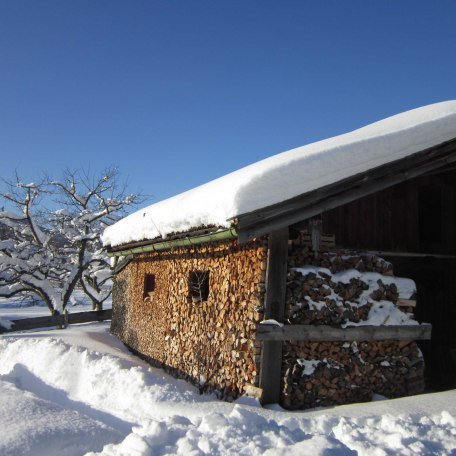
24	324
262	221
406	303
322	333
276	284
122	264
411	254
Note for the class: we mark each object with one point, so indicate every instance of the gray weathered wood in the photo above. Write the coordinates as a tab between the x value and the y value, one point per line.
276	283
324	333
58	320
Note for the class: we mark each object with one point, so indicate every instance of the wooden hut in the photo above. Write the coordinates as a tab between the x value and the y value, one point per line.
234	286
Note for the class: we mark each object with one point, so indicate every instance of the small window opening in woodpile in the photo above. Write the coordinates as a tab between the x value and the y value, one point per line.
149	285
198	286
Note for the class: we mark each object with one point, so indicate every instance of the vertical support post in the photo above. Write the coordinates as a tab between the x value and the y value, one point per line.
276	283
315	230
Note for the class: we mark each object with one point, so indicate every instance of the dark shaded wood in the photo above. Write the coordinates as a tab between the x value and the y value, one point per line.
36	322
59	320
387	222
324	333
85	317
310	204
276	283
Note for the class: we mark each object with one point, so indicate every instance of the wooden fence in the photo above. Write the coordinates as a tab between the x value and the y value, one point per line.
58	320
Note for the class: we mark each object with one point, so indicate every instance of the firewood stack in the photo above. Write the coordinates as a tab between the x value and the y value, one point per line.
349	372
329	373
209	342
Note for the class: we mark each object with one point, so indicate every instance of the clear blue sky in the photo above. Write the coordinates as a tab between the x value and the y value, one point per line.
177	93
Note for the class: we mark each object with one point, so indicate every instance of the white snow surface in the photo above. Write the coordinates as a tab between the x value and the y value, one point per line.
289	174
4	323
78	391
308	365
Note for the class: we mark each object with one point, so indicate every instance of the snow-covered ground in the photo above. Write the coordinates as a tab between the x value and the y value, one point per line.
77	391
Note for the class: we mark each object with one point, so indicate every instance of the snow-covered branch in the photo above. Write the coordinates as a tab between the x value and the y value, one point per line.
50	252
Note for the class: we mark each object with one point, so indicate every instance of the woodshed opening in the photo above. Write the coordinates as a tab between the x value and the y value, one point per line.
413	225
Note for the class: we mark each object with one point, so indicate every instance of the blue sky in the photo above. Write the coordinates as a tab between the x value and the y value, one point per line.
176	93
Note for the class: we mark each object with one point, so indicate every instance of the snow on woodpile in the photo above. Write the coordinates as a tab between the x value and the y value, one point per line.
350	297
346	288
339	289
280	177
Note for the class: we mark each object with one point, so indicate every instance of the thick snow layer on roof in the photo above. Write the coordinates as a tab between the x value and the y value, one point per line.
288	174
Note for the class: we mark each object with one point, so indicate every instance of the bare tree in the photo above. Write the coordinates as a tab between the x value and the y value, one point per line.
48	252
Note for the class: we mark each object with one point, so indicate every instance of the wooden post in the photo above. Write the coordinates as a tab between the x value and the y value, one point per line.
315	231
276	283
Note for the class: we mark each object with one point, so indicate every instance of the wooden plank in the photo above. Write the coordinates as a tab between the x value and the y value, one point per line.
37	322
327	240
122	264
25	324
85	317
253	391
406	303
310	204
322	333
276	283
412	254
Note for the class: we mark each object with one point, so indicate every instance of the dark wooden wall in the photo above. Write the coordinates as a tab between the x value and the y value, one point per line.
417	216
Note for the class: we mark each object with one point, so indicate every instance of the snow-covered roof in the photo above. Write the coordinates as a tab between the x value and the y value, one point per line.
289	174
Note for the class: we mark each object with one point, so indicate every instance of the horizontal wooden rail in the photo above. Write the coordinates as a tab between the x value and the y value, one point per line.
329	334
58	320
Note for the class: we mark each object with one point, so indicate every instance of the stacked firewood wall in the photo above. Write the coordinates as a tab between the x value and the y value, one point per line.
330	373
210	342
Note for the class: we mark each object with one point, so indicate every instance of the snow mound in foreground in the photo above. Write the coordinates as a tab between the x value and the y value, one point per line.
32	426
247	433
58	398
288	174
105	382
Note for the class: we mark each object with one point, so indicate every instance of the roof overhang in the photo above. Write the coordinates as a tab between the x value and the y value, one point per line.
310	204
180	240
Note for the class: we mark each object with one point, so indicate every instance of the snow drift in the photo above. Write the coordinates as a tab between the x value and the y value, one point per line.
59	398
